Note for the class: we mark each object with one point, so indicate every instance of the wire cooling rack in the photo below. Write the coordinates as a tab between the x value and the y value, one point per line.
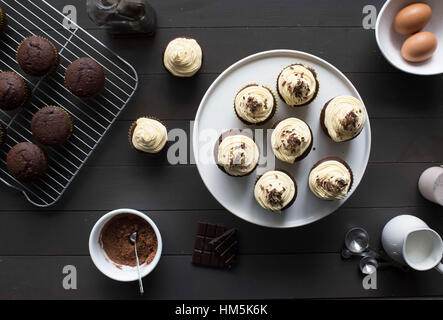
92	117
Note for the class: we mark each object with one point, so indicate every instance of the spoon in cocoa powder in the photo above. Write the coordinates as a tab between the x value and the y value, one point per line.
133	239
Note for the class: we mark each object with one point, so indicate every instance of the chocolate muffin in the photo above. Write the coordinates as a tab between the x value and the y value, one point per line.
236	153
297	85
13	91
85	77
26	162
291	140
51	126
275	190
343	118
3	134
148	135
331	179
255	104
3	21
37	56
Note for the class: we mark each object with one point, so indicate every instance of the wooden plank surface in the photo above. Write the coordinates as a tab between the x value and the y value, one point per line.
261	13
324	236
255	277
406	115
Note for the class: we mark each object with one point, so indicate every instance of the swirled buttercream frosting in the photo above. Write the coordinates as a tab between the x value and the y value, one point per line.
344	118
291	139
330	180
149	135
183	57
238	155
254	104
297	85
275	190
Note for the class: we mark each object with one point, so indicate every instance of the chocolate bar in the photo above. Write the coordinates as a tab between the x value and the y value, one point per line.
214	246
203	253
226	246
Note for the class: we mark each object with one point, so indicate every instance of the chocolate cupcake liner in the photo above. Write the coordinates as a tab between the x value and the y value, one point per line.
57	61
307	151
316	80
3	21
131	133
274	111
27	91
163	58
228	133
343	162
323	125
3	134
293	180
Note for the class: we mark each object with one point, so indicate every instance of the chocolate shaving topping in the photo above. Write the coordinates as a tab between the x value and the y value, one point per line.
350	121
292	142
274	197
252	104
300	89
332	186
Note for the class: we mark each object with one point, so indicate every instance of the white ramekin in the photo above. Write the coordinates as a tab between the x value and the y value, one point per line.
109	268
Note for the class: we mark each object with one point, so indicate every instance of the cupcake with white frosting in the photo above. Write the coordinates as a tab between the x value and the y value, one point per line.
183	57
343	118
255	104
291	140
148	135
236	153
275	190
297	85
331	179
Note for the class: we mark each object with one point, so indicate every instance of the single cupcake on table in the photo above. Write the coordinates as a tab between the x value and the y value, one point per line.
3	134
85	78
236	153
148	135
26	162
51	126
3	21
297	85
183	57
343	118
275	190
291	140
255	104
37	56
13	91
331	179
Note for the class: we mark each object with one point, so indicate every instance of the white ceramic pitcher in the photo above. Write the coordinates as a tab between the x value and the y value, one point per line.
409	240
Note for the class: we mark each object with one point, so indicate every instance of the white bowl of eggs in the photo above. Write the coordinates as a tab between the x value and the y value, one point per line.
410	35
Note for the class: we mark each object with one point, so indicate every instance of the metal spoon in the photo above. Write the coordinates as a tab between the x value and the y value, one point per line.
133	239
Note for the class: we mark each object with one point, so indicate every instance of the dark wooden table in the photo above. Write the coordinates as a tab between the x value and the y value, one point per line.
406	114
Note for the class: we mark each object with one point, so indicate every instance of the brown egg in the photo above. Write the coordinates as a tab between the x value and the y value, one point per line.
412	18
419	47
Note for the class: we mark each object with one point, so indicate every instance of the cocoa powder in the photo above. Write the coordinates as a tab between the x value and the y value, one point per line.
114	239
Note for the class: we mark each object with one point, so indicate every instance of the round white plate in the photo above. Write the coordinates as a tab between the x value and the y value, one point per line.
216	114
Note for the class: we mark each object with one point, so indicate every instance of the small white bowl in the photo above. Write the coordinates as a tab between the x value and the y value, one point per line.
390	42
109	268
